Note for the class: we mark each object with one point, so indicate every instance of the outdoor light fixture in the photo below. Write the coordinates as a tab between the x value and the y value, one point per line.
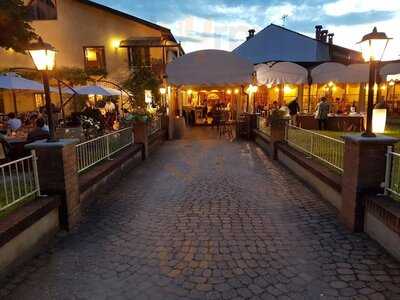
269	85
44	57
330	84
287	89
229	92
379	120
252	89
163	91
115	43
373	46
236	91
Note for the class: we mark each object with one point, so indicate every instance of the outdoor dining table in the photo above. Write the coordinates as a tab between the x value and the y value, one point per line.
343	123
17	145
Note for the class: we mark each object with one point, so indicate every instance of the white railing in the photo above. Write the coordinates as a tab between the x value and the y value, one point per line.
392	177
19	181
96	150
262	125
154	125
323	148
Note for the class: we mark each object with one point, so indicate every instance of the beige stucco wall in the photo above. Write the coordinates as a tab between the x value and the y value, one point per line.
80	25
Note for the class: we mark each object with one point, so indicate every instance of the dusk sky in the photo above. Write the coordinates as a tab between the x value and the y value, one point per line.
223	24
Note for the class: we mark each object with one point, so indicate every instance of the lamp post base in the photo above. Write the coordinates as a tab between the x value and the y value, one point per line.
52	140
368	134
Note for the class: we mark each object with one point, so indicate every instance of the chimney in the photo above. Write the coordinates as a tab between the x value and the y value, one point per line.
318	29
330	38
324	36
251	34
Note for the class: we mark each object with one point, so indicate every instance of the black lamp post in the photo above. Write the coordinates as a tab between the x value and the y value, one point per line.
373	46
44	56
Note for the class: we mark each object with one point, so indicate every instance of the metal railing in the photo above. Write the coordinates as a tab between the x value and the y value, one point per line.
263	126
19	181
154	126
96	150
392	176
323	148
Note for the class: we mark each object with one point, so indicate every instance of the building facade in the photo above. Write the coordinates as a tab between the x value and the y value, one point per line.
95	38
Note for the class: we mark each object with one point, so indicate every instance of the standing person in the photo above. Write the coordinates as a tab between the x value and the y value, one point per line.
321	113
294	109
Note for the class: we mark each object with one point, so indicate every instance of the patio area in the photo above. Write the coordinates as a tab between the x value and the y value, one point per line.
207	218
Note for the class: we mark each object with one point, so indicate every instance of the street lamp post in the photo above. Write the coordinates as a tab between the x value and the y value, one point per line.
43	56
373	46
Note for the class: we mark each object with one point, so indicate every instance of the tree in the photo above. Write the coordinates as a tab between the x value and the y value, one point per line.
141	79
15	31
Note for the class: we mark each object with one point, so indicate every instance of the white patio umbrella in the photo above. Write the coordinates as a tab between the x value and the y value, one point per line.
329	71
357	73
97	90
390	69
282	72
15	82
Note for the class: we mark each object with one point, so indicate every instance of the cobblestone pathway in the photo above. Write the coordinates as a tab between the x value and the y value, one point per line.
209	219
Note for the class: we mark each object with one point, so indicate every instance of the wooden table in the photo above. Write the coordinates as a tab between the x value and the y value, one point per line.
343	123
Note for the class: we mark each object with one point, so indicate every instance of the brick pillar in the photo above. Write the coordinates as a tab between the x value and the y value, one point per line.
278	133
140	130
58	175
364	172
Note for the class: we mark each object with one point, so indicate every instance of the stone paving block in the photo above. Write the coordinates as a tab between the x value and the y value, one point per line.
207	218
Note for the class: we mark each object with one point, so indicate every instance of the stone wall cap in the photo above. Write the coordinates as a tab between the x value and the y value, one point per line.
379	139
44	144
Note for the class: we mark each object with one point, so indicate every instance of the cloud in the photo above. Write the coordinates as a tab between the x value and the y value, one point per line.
224	24
344	7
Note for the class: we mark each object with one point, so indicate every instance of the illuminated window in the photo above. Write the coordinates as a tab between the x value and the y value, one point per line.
95	58
42	10
139	56
39	100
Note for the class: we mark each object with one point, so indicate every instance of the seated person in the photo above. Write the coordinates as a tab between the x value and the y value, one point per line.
39	133
13	122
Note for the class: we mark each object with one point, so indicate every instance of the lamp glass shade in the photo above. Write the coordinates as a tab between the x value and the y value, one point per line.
43	59
379	120
373	45
373	49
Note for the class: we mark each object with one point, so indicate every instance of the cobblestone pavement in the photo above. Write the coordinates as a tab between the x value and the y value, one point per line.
209	219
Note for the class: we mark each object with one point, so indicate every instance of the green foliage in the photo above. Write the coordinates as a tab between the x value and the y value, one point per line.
15	31
141	79
72	76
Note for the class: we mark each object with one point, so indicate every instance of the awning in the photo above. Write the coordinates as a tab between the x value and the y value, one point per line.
210	68
282	72
147	42
357	73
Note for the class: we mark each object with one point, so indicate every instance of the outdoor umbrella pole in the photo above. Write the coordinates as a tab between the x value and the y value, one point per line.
46	88
15	101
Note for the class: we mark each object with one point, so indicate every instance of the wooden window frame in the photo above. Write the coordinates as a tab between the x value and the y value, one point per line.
103	53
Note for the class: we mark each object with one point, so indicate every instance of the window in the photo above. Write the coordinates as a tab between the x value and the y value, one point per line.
139	56
95	58
42	10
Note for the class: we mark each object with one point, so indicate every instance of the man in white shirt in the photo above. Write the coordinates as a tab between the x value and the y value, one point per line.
13	122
